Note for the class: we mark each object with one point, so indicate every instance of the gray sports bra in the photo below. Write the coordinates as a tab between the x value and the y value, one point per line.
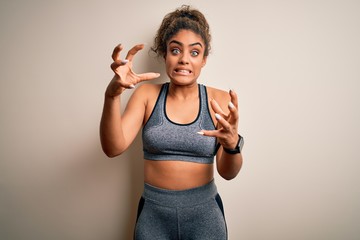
167	140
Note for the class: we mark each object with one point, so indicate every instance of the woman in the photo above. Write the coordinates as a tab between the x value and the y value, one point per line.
181	133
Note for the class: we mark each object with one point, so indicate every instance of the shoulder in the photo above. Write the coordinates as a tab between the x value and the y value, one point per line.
147	92
147	89
221	96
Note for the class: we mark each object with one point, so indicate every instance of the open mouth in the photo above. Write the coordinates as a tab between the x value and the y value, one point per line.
183	71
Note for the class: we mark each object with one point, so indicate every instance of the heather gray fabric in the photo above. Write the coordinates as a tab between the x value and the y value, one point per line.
166	140
195	214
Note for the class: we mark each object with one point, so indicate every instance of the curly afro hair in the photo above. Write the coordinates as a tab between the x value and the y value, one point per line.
183	18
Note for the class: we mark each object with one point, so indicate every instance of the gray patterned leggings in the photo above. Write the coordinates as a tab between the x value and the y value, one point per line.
195	214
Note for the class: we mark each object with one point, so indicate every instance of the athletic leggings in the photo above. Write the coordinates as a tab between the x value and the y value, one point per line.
195	214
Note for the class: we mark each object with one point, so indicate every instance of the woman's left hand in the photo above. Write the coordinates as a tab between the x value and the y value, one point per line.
227	124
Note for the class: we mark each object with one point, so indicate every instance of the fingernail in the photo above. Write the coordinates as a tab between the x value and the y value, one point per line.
124	61
132	86
201	133
217	116
231	105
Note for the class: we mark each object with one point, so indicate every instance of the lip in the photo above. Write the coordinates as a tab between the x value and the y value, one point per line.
182	71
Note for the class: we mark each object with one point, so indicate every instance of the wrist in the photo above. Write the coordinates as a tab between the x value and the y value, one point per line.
114	89
111	97
114	93
237	149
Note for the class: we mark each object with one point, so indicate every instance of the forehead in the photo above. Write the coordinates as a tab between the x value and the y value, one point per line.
187	37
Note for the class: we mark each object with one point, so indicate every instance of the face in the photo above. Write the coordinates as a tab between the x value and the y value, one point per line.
185	57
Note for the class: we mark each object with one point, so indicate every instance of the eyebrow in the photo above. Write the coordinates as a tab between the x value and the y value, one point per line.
181	44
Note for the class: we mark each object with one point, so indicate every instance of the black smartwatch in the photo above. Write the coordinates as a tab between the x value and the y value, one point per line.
238	147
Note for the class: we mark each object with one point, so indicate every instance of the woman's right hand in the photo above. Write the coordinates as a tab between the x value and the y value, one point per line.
125	77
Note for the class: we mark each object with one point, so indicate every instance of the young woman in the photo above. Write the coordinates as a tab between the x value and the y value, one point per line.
185	125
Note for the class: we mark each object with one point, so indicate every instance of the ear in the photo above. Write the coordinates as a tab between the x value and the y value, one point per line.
204	61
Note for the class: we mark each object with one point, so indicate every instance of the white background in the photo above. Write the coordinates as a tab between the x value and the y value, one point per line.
294	64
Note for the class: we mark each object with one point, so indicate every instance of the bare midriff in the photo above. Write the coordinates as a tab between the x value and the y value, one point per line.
177	175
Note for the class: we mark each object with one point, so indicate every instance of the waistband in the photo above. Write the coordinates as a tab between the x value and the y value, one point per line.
181	198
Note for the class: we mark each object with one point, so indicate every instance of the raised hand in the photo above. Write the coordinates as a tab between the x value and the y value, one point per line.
125	77
227	125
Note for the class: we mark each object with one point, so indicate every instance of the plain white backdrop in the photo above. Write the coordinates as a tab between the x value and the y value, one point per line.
295	67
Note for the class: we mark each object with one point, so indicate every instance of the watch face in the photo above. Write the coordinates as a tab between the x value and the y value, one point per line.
241	143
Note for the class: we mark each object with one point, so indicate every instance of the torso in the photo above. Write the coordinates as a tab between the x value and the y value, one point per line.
177	175
173	174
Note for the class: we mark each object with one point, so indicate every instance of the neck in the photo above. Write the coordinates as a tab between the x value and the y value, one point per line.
183	92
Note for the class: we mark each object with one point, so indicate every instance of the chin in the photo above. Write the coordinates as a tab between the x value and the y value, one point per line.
183	82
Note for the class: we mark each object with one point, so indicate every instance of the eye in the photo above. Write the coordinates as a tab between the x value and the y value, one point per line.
195	53
175	51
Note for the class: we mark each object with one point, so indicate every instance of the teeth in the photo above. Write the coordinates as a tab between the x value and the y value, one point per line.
183	71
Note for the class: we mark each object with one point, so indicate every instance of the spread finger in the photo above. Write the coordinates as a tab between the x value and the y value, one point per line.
216	107
133	51
116	53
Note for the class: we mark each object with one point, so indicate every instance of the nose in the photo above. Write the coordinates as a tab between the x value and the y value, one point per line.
184	59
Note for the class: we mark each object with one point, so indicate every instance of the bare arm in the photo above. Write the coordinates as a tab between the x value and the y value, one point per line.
118	131
228	165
